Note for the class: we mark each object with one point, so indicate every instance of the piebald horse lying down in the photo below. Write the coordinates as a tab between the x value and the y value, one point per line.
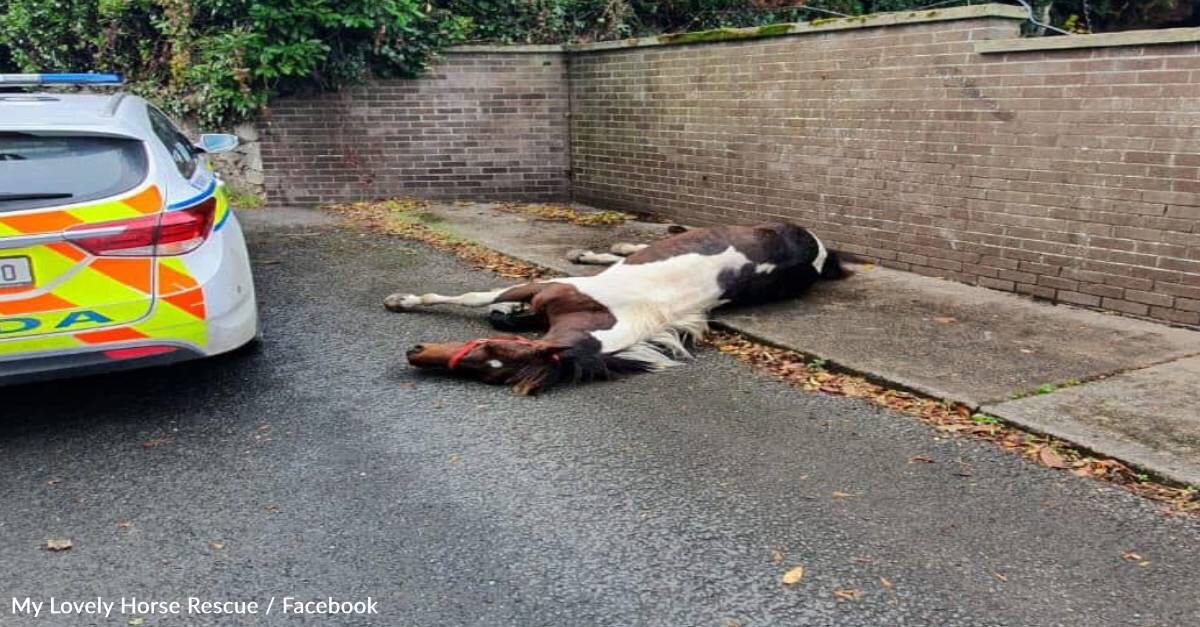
634	316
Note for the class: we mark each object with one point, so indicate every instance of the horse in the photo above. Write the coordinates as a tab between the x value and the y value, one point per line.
636	315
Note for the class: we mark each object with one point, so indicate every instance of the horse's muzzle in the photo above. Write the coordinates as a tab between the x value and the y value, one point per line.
427	356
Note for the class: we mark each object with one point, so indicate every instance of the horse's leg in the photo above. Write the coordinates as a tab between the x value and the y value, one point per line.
589	258
512	311
520	293
626	249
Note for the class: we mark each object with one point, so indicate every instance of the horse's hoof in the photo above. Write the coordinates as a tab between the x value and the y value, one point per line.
625	249
401	302
575	254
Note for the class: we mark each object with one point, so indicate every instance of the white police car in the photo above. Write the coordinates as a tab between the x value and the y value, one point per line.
118	247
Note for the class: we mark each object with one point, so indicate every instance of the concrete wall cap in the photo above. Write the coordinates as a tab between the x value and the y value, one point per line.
1102	40
816	26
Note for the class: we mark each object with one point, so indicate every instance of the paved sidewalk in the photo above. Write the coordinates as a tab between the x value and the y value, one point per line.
967	344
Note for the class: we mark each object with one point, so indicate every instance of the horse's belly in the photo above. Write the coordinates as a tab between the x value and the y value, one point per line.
684	283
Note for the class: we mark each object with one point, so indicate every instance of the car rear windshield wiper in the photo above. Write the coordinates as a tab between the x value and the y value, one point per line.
42	196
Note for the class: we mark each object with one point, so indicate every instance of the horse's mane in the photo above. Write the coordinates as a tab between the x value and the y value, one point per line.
584	361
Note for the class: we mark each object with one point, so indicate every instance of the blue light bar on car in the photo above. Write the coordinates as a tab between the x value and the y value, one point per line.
60	79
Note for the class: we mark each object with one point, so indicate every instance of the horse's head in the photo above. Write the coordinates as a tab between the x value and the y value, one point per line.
525	364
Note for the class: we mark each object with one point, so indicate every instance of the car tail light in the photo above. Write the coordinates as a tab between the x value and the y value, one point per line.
165	234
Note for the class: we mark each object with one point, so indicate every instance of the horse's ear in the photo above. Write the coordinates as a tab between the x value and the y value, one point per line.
527	386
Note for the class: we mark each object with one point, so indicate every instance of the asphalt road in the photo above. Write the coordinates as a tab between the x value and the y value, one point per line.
321	466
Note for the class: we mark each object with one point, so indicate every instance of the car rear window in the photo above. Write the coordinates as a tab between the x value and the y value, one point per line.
49	170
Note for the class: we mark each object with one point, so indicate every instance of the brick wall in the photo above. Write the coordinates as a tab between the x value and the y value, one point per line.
1071	175
478	126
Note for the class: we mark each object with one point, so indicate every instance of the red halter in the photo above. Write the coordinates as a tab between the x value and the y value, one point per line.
473	344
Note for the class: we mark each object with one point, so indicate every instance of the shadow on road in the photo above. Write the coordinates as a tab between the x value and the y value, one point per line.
148	395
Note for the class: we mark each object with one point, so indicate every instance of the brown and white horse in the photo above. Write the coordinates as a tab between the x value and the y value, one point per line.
634	316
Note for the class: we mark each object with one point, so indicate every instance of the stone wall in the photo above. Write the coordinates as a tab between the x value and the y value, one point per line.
488	126
945	147
241	168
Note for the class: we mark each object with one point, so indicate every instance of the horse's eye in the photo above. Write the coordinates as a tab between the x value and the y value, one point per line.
495	363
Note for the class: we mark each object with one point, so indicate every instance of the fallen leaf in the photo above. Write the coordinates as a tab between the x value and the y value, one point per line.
124	524
945	319
272	508
964	470
216	546
730	622
134	622
919	458
838	494
847	594
1051	458
454	458
792	576
1130	556
58	544
885	582
155	443
1000	577
776	556
54	481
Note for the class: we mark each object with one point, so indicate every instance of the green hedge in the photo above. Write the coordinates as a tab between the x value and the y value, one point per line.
219	61
553	21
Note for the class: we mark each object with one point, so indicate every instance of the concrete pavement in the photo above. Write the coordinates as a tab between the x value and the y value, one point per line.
971	345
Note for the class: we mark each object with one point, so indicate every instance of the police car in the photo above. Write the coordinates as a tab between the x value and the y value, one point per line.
118	247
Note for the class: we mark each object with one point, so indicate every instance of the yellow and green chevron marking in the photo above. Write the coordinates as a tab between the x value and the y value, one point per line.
82	300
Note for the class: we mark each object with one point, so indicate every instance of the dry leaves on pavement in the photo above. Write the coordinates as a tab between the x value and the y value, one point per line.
1131	556
847	594
565	213
401	217
58	544
950	418
792	576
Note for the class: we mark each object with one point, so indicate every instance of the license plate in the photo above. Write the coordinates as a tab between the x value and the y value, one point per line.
15	272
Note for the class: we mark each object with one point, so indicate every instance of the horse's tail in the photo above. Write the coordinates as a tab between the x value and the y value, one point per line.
833	270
